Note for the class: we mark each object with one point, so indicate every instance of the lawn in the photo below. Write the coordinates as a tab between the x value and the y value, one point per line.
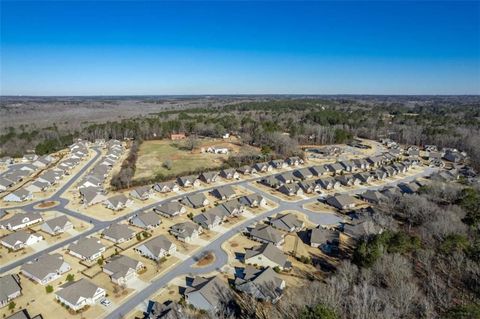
152	155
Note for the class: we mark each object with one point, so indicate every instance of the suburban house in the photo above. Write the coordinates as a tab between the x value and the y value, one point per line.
364	177
87	249
57	225
29	157
20	239
188	181
318	170
286	178
342	201
224	192
361	163
290	189
287	222
374	161
294	161
21	220
5	184
271	181
303	173
373	196
92	195
81	293
146	220
267	255
91	181
209	220
252	200
45	268
361	230
9	289
263	284
391	191
409	188
118	233
347	180
328	183
267	234
117	202
142	193
20	195
170	209
336	168
233	207
165	310
122	269
309	187
379	174
208	177
278	163
229	173
156	248
246	170
347	166
37	186
326	239
186	231
195	201
262	167
207	293
166	187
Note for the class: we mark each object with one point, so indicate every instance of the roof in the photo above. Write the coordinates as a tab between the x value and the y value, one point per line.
12	238
18	218
171	208
195	200
286	222
157	244
207	218
73	291
86	247
267	233
119	231
117	199
59	221
262	284
373	196
148	218
44	265
270	251
224	191
359	230
9	285
321	235
120	265
185	229
341	201
212	289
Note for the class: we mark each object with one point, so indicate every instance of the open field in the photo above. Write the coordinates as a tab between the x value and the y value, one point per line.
152	155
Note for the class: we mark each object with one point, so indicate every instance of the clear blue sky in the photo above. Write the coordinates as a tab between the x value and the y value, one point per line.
125	48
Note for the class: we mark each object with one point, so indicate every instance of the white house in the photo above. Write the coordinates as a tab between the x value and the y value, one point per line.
79	294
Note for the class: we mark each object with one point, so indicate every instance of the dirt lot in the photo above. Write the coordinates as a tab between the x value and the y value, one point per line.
153	154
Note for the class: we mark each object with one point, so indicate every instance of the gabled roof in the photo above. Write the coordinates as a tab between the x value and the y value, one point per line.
74	291
185	229
373	196
263	284
270	251
286	222
340	201
157	244
18	236
148	218
267	233
171	208
212	289
321	235
225	191
195	200
86	247
44	265
119	231
18	219
59	221
120	265
9	284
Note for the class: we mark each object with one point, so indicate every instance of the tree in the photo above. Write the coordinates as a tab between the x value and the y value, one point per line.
11	305
191	143
319	311
167	164
70	277
49	289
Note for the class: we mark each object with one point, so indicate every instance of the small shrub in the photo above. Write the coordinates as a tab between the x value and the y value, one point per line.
49	289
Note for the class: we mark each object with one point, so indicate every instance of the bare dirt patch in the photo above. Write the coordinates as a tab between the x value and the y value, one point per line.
47	204
207	259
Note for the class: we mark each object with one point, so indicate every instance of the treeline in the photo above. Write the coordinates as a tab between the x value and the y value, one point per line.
124	178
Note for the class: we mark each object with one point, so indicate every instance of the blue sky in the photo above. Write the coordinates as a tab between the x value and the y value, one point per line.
130	48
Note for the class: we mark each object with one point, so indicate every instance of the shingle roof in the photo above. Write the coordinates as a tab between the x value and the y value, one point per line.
9	284
270	251
44	265
73	291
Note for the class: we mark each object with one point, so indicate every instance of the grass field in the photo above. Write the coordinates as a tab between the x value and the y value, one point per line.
152	154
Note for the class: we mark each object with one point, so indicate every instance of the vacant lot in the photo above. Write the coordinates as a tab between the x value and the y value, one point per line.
153	154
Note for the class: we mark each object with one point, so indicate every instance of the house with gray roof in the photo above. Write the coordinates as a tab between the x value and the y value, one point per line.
142	193
261	284
88	249
336	168
229	173
118	233
262	167
375	161
233	207
294	161
290	190
23	314
91	196
186	231
211	218
271	181
326	239
122	269
246	170
287	222
267	234
197	200
207	294
20	239
224	192
117	202
37	186
379	174
156	248
409	188
318	170
364	177
328	182
208	177
342	201
146	220
5	184
79	294
20	195
166	187
286	177
347	180
309	187
278	163
372	196
267	255
303	173
361	163
9	289
252	200
348	166
57	225
361	230
170	209
21	220
45	268
188	181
